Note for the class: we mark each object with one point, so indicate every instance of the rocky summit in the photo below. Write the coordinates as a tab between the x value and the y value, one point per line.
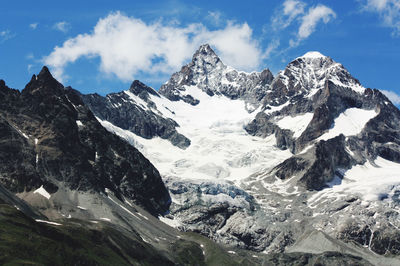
218	167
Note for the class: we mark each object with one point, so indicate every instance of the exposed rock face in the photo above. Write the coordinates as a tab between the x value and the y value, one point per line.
133	110
320	86
207	72
50	138
316	171
205	207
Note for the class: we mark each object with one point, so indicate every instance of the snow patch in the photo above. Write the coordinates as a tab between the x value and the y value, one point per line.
371	182
349	123
42	192
47	222
296	124
272	109
122	207
141	215
139	101
171	222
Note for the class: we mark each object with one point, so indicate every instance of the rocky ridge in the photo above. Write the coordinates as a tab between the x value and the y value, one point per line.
207	72
133	110
51	140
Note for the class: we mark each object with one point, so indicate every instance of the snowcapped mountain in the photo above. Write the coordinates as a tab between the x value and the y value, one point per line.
208	73
84	195
73	193
304	162
269	163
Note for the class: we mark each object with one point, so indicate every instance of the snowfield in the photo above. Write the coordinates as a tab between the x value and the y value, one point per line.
370	182
296	124
349	123
220	148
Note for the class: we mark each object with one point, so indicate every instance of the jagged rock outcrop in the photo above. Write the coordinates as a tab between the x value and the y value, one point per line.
50	138
134	110
317	170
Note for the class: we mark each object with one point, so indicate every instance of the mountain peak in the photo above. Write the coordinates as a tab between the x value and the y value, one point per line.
45	72
205	49
44	75
44	81
205	54
313	54
138	87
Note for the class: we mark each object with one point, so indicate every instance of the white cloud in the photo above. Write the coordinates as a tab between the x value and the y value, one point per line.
295	12
388	10
272	46
33	26
62	26
6	35
288	12
127	46
309	22
393	97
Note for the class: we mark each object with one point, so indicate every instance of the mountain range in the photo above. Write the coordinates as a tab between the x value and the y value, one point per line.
229	167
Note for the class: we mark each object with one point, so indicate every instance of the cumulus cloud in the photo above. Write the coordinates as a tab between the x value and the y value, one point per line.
388	10
288	12
33	26
315	15
127	46
393	97
62	26
295	12
309	22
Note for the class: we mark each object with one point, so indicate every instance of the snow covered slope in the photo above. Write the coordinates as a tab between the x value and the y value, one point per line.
350	122
269	157
220	147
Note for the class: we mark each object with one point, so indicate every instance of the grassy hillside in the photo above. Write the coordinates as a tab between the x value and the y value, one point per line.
25	241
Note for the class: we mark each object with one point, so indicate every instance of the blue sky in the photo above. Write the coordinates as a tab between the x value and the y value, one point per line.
102	46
